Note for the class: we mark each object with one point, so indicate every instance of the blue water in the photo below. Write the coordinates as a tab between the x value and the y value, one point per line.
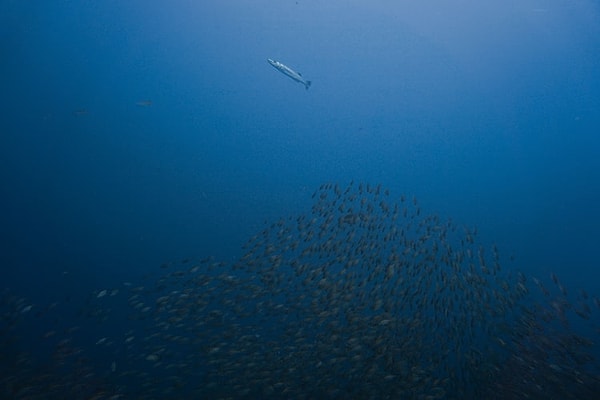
487	112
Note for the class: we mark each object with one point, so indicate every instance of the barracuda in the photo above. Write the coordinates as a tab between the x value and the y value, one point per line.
284	69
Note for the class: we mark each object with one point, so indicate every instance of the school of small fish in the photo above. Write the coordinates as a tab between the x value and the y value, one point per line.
363	297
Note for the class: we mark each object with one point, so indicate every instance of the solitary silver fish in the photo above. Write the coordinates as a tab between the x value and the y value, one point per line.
284	69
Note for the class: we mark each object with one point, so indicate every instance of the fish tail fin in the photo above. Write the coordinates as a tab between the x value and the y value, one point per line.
307	84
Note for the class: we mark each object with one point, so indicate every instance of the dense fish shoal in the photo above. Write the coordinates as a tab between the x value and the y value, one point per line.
363	296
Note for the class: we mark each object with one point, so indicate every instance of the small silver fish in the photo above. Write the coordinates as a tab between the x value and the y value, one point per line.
284	69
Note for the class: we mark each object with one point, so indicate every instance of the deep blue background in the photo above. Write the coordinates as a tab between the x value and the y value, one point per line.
487	112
